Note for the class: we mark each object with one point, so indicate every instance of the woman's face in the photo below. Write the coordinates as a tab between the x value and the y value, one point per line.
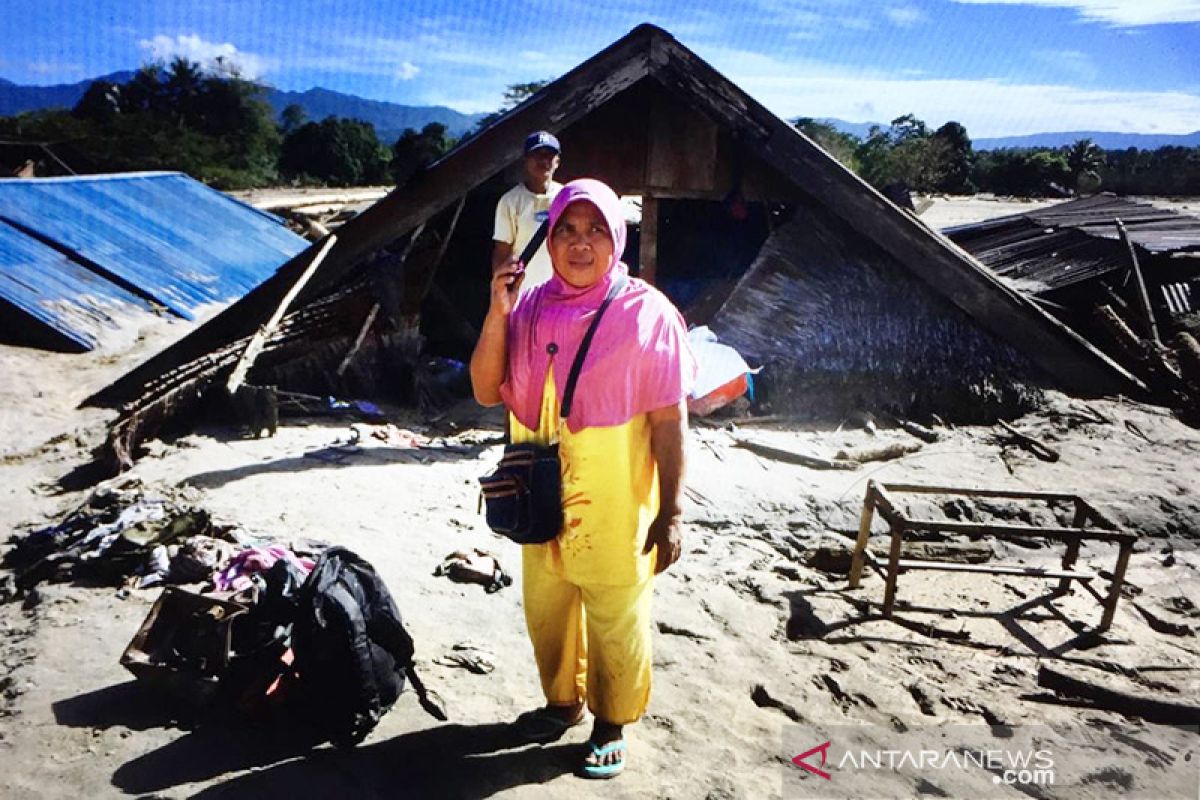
581	246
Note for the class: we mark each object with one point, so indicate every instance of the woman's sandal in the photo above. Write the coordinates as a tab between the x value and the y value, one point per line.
601	771
542	727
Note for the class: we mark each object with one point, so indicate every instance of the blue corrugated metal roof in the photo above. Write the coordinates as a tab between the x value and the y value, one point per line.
161	235
48	286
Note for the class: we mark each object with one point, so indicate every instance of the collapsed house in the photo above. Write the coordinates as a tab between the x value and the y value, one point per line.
83	256
845	300
1122	274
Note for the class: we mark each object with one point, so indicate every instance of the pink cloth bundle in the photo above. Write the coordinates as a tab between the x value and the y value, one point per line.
237	574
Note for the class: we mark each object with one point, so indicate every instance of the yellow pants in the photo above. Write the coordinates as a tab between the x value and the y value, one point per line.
592	643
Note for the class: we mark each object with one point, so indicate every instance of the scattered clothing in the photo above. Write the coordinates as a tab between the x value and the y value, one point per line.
469	657
475	566
238	574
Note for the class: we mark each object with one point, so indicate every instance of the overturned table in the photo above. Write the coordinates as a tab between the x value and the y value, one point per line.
1088	524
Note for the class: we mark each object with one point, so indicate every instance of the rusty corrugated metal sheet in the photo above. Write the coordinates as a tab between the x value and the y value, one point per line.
1075	241
154	238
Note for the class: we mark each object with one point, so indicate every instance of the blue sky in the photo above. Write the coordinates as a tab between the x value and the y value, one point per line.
1000	67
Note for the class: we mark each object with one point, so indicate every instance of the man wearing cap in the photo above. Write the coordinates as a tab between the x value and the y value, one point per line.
525	206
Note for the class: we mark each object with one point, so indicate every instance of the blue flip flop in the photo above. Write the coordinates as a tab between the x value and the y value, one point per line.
605	770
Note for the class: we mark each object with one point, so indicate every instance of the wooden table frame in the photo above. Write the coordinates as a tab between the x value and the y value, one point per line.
1088	524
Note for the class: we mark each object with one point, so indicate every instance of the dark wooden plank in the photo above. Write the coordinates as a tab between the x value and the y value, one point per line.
996	569
1018	531
912	488
648	242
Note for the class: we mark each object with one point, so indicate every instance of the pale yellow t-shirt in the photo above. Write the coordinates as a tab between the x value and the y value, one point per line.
610	496
518	215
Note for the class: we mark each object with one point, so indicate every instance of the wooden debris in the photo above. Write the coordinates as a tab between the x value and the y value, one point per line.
1140	282
920	431
259	340
1147	358
1160	625
358	340
1187	353
793	457
696	496
881	453
1039	448
1150	709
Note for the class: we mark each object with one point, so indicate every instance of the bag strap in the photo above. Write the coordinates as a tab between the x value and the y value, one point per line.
577	367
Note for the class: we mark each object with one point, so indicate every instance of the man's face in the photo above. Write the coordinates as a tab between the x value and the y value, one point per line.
540	164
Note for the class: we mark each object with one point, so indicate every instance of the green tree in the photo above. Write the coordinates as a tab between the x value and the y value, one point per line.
1022	172
841	146
414	151
291	118
514	95
956	155
100	102
212	125
340	152
904	153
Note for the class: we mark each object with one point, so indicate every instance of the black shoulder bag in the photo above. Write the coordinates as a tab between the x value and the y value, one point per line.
523	497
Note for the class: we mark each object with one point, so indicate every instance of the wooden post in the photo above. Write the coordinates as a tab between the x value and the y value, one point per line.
1072	554
441	253
1143	297
1114	589
864	534
893	570
358	340
648	251
259	340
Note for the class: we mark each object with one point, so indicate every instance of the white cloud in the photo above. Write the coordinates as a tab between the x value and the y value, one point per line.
206	53
54	68
407	71
1117	13
1072	62
852	23
905	16
988	107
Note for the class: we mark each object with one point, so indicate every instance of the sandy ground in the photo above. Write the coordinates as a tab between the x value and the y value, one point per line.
756	633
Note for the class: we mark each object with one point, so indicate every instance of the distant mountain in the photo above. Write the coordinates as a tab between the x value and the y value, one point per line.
1108	140
16	99
858	129
389	119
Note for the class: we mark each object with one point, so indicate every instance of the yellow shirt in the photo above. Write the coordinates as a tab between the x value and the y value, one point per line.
610	496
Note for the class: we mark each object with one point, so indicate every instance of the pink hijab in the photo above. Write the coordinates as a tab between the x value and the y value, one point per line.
639	359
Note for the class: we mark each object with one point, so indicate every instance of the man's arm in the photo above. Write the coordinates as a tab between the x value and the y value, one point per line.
504	232
668	430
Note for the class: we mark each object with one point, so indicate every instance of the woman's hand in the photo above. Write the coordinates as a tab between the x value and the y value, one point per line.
666	533
506	281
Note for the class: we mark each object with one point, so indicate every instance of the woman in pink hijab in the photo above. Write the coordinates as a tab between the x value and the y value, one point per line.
587	593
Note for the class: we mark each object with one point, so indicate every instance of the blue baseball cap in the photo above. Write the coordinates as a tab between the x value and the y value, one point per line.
540	139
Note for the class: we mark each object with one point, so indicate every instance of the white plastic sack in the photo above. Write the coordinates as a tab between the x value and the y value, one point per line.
718	363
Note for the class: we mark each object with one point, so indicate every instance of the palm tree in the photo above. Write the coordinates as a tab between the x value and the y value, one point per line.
1084	160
